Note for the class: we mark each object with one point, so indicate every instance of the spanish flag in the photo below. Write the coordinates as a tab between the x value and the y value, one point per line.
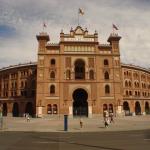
44	25
81	12
115	27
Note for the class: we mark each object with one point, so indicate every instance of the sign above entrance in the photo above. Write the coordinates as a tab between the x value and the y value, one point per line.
79	35
79	38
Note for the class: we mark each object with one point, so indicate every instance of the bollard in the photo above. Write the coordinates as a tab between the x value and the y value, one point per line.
65	122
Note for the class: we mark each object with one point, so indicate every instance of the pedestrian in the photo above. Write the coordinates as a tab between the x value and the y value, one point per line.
106	118
111	115
28	118
81	123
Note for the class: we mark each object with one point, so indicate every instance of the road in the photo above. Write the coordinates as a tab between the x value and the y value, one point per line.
121	140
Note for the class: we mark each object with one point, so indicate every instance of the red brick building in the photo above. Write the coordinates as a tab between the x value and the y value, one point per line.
79	75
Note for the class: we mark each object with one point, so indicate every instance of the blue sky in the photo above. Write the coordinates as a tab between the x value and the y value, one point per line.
21	20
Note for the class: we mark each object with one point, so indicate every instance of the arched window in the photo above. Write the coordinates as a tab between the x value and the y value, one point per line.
54	109
52	89
130	93
106	75
79	69
126	108
138	93
22	84
68	74
127	93
129	83
52	75
138	84
126	83
147	108
12	85
25	83
106	62
4	109
91	75
15	84
53	62
107	89
135	84
137	108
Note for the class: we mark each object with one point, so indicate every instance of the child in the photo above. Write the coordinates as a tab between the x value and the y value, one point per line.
81	123
28	118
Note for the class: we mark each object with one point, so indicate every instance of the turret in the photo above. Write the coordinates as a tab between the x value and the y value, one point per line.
62	35
114	42
95	36
42	38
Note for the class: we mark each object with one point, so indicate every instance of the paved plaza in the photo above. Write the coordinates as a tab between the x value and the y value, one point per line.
56	124
127	133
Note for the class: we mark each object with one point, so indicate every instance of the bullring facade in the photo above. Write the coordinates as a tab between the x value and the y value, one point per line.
78	76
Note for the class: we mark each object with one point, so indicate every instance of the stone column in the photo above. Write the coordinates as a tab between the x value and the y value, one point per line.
70	112
9	109
39	111
90	111
143	108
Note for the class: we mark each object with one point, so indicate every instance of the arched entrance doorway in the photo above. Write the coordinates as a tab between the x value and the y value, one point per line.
137	108
126	108
5	109
147	109
79	69
29	109
80	104
15	110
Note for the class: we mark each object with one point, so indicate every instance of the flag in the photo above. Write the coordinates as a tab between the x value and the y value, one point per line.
44	25
115	27
81	12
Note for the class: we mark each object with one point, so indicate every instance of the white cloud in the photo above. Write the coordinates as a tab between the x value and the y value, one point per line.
26	16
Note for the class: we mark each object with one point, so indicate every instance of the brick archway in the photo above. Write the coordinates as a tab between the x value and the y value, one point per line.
80	103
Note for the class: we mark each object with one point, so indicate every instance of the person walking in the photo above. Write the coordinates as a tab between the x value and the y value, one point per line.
111	116
81	123
106	118
28	118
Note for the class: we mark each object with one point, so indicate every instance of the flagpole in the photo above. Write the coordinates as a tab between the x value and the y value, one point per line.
113	31
78	18
43	25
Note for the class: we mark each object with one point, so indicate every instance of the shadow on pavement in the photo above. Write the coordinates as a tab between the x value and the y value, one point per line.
85	145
